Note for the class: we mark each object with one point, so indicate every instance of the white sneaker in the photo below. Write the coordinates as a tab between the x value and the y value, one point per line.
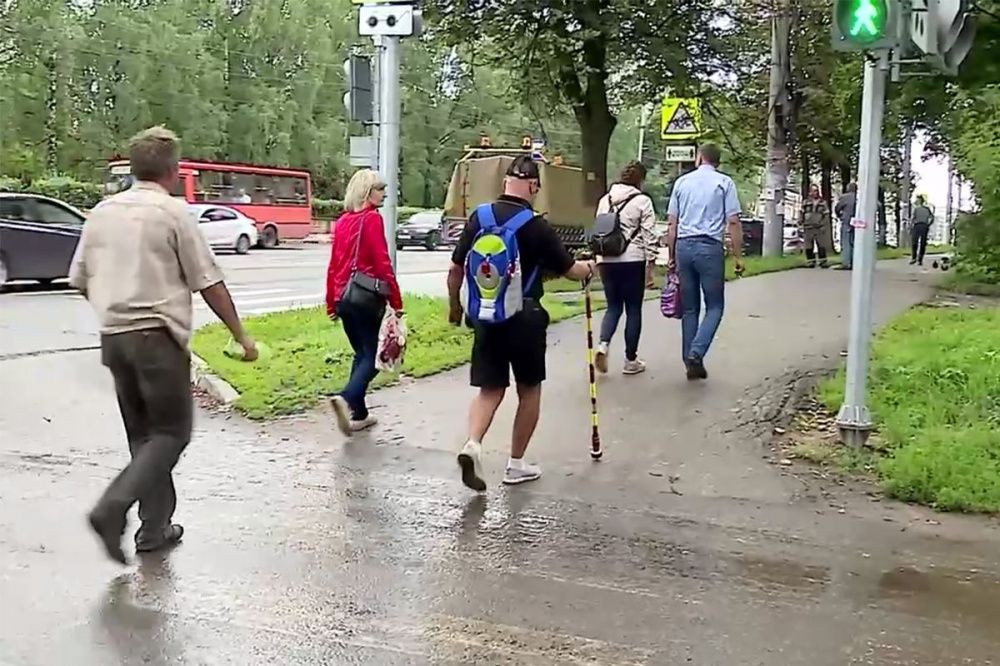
343	414
363	424
468	460
601	358
519	471
634	367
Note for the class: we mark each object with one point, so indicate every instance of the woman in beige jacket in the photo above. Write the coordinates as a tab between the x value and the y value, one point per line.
626	277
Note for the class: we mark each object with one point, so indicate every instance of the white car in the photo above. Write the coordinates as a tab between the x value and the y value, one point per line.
225	228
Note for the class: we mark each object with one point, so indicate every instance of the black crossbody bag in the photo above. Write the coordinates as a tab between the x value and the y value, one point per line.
364	291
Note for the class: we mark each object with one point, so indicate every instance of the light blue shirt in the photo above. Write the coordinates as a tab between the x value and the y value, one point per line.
702	201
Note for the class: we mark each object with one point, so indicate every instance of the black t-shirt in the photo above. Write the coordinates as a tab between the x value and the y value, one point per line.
537	243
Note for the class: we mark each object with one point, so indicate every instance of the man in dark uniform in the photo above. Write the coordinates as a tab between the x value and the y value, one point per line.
816	227
517	344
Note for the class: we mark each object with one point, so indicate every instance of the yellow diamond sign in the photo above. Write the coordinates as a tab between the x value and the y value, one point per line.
680	119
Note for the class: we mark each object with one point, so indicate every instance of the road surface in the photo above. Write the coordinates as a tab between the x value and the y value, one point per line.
34	319
684	546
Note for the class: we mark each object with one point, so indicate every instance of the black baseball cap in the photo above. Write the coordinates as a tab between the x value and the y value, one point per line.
524	168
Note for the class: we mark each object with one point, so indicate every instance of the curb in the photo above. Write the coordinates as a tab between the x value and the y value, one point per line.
217	387
317	239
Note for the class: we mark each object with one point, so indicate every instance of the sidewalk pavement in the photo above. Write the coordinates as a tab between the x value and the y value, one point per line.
303	549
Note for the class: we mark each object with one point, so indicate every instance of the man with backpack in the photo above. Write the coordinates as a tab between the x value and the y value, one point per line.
496	282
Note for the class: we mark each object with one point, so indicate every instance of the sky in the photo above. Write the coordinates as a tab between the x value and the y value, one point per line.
932	178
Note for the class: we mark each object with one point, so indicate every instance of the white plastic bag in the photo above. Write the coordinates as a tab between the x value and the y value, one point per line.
391	344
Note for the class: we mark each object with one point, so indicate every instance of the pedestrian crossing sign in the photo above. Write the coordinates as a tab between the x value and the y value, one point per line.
680	118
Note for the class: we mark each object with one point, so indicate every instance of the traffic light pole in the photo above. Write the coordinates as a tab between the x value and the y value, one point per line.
854	419
388	159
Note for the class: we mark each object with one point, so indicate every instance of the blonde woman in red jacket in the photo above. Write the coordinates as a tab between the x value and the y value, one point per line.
359	258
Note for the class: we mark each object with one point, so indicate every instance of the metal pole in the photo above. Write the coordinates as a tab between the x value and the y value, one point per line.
376	101
949	211
388	158
643	121
854	419
777	146
905	194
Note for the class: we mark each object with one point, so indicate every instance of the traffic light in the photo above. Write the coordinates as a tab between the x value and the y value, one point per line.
865	25
358	98
943	30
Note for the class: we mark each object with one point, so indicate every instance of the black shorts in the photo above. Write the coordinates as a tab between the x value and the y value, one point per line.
517	344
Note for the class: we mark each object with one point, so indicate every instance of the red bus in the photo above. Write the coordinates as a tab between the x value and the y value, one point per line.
279	200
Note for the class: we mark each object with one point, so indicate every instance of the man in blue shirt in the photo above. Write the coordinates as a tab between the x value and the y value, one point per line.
703	205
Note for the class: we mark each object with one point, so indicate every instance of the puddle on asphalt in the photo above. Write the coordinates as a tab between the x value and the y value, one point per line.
968	598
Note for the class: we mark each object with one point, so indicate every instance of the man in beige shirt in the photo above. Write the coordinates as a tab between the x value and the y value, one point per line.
139	260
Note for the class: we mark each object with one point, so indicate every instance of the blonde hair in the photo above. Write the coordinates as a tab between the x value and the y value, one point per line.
154	153
359	189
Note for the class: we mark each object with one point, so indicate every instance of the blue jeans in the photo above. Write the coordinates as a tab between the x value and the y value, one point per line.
701	266
361	327
624	287
846	244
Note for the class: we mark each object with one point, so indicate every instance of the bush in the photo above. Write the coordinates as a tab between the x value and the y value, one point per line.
8	184
74	192
406	212
978	249
327	209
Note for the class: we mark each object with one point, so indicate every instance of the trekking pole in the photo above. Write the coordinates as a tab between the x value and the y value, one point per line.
595	436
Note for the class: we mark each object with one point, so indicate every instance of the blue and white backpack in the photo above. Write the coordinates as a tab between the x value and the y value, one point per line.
494	287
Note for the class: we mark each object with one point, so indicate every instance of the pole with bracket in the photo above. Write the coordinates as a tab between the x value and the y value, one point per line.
854	419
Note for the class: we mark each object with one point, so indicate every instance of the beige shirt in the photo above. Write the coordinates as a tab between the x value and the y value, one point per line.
139	260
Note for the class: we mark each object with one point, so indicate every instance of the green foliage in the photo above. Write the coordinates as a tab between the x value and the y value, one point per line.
72	191
978	249
79	194
310	357
327	209
935	396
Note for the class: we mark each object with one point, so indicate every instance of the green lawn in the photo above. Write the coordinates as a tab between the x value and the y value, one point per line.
753	266
935	397
310	356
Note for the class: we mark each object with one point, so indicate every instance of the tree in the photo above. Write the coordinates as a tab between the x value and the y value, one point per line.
592	56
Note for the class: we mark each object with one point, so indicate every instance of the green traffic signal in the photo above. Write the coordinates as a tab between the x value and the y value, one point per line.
862	21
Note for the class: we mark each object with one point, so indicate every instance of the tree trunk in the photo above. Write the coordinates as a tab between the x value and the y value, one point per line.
596	127
897	212
845	175
882	223
51	116
805	165
826	184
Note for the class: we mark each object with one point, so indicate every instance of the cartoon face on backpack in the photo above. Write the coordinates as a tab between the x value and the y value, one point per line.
493	289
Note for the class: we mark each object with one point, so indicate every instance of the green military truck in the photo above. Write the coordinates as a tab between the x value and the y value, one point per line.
478	178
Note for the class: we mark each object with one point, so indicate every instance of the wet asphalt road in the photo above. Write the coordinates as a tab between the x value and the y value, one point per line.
682	547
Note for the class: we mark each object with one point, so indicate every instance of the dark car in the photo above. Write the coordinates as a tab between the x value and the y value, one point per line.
38	237
424	229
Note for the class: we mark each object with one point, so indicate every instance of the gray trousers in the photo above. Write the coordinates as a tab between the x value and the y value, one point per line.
846	244
152	374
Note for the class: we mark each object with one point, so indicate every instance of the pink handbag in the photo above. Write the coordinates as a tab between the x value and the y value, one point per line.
670	298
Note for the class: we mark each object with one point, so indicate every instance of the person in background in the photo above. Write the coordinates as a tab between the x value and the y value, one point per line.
922	219
703	205
816	227
517	344
359	247
138	261
626	277
845	210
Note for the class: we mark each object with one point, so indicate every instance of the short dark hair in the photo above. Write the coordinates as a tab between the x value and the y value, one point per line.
852	187
633	174
711	154
524	168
